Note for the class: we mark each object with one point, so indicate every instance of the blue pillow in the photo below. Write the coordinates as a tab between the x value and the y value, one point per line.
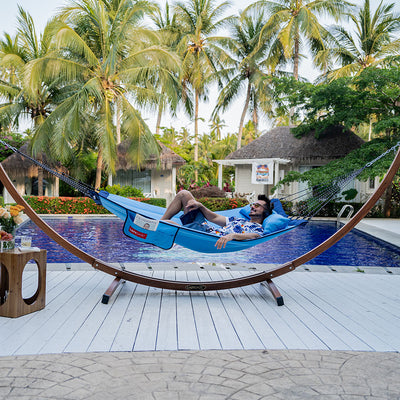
278	207
245	211
275	222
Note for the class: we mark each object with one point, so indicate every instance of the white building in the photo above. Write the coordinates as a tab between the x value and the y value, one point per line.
267	159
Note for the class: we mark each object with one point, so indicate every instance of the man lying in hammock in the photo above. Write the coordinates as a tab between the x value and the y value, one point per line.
196	215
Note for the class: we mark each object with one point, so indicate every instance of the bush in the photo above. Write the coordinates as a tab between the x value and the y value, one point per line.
332	209
125	191
219	204
208	191
75	205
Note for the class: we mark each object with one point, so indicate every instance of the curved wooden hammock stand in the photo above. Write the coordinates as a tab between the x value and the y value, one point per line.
265	277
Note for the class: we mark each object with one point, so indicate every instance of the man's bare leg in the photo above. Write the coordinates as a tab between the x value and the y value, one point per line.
177	204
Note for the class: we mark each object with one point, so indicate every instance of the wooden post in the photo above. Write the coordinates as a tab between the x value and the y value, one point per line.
12	265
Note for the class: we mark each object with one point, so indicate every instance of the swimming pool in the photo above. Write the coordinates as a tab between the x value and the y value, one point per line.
103	238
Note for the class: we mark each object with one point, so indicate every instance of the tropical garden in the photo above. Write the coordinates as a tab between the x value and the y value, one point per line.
86	80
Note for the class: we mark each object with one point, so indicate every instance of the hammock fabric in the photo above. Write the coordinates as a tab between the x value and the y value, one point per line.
142	223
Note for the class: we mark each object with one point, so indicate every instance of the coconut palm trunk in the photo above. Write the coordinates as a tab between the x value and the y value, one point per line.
196	131
296	58
118	122
244	112
99	167
159	115
40	177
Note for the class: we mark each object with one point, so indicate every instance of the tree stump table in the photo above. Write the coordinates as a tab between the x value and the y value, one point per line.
12	265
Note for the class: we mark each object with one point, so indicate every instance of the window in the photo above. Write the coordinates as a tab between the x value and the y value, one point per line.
372	183
137	179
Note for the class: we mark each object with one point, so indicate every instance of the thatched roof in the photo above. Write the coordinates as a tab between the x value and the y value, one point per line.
17	165
281	143
167	160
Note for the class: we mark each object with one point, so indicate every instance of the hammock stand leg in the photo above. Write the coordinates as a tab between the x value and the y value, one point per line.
111	289
274	290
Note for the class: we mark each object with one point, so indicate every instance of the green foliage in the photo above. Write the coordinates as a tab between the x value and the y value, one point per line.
347	102
75	205
66	190
333	208
352	162
219	204
64	205
7	224
350	194
13	139
125	191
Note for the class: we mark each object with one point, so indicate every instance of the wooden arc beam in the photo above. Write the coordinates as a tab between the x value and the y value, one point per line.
210	285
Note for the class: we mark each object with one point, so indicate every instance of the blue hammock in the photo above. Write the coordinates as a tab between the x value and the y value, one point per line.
142	223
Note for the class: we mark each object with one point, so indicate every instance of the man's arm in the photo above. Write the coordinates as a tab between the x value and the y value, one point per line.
208	214
223	240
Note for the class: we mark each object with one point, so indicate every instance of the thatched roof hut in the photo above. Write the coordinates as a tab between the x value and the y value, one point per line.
281	143
168	158
17	165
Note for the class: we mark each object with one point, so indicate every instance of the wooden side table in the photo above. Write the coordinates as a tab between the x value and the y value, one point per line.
12	265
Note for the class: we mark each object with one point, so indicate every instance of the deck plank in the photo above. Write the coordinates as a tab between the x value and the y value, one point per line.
127	331
104	337
223	325
186	323
207	335
167	335
244	330
147	333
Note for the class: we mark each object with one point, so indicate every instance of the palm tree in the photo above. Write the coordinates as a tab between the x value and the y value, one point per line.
104	60
246	63
373	40
296	22
170	90
216	127
199	20
34	101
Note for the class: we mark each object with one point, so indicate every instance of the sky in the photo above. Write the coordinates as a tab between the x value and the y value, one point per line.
42	10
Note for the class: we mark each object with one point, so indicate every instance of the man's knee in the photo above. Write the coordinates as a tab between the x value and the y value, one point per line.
184	194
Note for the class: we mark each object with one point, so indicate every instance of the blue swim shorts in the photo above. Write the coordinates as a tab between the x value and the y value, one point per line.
195	220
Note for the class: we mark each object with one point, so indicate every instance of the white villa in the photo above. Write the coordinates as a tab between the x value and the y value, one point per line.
266	160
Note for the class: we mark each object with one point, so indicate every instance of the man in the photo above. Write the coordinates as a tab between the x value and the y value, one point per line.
196	214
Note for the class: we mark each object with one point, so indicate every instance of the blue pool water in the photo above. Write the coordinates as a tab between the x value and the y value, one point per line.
103	238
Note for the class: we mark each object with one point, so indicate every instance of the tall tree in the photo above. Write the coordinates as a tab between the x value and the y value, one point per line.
245	63
104	59
348	102
199	20
169	89
295	23
372	39
22	101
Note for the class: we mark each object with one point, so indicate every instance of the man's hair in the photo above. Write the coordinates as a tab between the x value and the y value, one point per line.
269	206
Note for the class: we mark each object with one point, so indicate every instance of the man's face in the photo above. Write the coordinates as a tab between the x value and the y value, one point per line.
257	208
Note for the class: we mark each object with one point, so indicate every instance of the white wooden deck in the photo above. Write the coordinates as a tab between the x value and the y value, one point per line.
337	311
